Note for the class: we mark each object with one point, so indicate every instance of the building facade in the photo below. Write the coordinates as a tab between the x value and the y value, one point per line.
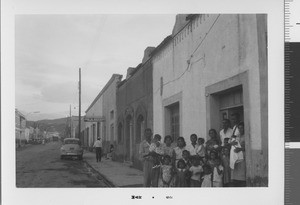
101	114
20	127
134	110
210	67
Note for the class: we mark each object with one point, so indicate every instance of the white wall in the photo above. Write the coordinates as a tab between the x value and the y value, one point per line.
229	48
97	111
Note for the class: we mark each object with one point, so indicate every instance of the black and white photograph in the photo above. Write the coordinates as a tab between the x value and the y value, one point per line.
126	105
192	112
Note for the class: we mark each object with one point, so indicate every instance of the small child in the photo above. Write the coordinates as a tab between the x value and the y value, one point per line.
196	170
186	158
166	175
181	174
226	141
201	148
213	156
225	163
111	150
156	150
206	178
218	174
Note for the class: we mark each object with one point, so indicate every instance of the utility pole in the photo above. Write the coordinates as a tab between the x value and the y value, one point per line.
79	120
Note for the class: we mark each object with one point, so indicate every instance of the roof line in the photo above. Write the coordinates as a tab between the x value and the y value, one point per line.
103	90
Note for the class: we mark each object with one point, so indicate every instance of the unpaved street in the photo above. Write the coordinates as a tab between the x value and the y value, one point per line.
41	166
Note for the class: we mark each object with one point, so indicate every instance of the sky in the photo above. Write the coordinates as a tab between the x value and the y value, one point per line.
49	50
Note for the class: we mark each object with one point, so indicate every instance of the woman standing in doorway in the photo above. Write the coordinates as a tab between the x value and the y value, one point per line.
238	174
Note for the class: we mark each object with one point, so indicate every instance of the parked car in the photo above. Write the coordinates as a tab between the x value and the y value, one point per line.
71	148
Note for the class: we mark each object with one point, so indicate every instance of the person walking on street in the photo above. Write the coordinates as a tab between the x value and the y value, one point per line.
98	146
147	159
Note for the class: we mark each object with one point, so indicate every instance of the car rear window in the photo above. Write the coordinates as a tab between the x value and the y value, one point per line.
71	142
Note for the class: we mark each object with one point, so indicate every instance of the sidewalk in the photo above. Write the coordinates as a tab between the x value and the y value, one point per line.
117	173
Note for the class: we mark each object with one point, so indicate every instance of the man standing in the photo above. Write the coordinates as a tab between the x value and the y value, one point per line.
146	159
235	118
226	132
98	146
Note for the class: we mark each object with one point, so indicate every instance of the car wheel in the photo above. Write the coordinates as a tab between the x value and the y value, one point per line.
61	157
80	157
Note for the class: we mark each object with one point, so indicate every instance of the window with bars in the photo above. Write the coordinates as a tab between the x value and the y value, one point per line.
172	126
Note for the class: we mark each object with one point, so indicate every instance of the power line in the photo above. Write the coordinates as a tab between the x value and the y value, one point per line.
189	60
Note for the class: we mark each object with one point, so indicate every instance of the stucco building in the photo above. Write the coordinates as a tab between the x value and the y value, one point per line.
210	67
20	126
101	114
135	110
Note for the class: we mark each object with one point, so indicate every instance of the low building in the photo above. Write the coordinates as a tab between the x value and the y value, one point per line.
101	115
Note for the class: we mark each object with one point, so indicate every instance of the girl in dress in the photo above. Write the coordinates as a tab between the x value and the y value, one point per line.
181	174
196	170
166	173
218	174
225	163
207	176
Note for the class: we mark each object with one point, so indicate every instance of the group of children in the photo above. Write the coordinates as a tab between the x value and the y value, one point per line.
189	166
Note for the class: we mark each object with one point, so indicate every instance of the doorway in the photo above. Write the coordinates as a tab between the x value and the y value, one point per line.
231	102
128	137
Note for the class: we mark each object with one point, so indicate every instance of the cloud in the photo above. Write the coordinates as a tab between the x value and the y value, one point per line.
67	92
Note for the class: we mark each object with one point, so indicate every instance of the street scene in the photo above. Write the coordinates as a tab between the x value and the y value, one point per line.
142	101
40	166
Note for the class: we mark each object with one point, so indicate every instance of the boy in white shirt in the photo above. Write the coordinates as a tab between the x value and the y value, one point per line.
192	148
196	170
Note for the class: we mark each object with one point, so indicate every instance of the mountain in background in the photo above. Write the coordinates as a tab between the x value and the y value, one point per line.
60	125
42	116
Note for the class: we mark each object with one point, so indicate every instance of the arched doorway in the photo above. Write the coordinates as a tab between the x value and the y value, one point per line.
140	127
128	137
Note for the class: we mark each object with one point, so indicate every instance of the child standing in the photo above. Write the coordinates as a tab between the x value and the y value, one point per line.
181	174
196	170
217	168
166	175
225	163
218	174
206	178
201	148
186	158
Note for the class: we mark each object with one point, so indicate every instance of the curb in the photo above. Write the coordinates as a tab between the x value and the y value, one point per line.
106	181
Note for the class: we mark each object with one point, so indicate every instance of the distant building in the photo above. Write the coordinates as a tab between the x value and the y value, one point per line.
209	68
134	110
20	126
100	118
